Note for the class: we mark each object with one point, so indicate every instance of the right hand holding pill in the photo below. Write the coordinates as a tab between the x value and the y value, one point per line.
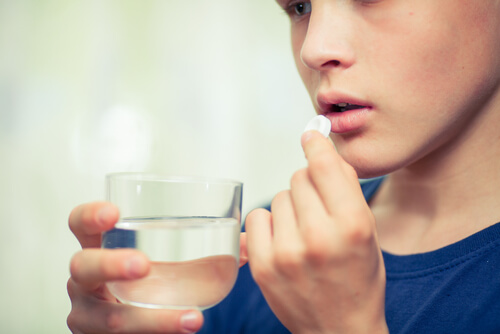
315	255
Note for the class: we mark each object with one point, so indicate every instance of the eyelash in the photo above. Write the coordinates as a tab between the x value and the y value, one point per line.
291	8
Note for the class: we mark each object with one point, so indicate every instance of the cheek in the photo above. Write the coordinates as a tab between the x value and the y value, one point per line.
439	63
418	63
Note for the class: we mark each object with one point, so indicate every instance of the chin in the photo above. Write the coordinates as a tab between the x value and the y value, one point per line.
367	168
372	158
369	174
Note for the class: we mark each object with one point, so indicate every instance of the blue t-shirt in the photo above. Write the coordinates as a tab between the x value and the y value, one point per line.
455	289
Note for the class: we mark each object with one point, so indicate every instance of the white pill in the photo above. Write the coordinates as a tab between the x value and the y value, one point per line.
319	123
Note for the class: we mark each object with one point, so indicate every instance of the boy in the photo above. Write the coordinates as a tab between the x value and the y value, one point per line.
412	90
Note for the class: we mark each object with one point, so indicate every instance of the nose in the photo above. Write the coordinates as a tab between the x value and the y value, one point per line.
327	43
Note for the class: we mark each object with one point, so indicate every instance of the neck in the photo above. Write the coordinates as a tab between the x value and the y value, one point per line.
451	194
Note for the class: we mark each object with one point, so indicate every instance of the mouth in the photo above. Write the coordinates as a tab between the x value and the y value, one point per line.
338	102
346	113
344	106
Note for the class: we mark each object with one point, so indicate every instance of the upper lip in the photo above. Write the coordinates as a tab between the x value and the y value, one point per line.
327	100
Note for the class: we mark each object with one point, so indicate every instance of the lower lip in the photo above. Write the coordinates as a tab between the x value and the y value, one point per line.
348	121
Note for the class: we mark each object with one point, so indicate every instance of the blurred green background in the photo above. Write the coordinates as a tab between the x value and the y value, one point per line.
190	87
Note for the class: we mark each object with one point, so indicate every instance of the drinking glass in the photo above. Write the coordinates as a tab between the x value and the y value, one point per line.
188	227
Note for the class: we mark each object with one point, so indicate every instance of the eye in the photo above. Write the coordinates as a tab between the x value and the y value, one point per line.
302	8
296	9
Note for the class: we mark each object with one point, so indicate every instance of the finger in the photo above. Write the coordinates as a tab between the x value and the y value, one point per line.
92	267
335	180
88	221
309	207
103	317
259	235
285	227
243	249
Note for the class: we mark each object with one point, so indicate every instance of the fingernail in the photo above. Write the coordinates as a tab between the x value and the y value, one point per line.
243	255
190	322
306	136
135	267
243	260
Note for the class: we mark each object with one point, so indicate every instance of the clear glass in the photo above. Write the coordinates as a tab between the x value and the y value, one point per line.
188	227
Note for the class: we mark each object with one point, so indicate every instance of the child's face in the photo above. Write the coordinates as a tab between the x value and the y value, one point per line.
424	69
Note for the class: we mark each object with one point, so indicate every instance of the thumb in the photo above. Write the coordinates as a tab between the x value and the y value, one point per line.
315	144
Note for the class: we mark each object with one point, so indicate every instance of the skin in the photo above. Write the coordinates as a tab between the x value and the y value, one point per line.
407	58
94	309
429	70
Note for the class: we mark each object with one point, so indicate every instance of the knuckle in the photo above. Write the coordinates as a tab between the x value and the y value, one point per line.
317	254
280	197
75	266
84	218
71	288
288	261
358	232
321	163
72	219
350	171
107	266
314	237
252	216
263	274
163	324
318	248
114	321
82	214
256	214
280	200
167	323
71	321
88	217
